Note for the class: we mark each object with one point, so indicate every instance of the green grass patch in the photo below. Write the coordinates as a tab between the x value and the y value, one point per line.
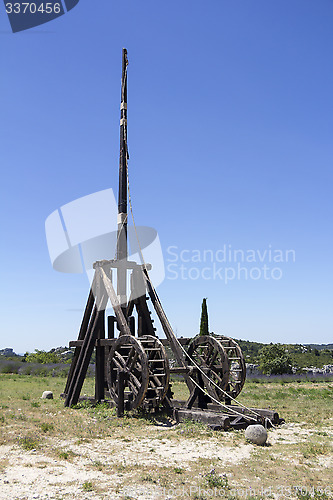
29	442
214	480
312	450
46	427
66	454
87	486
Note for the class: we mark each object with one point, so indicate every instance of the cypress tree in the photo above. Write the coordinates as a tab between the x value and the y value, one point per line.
204	318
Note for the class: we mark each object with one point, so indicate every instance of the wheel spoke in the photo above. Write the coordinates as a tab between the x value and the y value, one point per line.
208	353
130	354
213	360
130	365
145	382
214	357
118	365
203	363
216	376
121	360
136	381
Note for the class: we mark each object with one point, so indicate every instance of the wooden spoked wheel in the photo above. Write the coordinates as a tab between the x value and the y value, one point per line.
237	367
127	354
146	368
158	371
208	353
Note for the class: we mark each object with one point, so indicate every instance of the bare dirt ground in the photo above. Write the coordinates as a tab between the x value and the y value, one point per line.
51	452
112	468
34	475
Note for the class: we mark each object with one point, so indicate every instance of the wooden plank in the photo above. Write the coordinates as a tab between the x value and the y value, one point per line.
100	359
246	412
164	322
121	374
192	398
75	343
175	346
263	412
107	342
239	422
76	382
130	307
182	369
122	323
86	350
115	264
111	326
82	332
182	340
217	420
103	342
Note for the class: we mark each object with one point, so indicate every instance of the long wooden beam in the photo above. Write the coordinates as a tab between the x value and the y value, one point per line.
122	323
81	367
82	332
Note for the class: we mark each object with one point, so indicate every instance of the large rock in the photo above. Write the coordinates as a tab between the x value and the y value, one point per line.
257	434
47	395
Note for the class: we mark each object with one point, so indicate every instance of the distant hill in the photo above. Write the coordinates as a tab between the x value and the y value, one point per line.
8	351
320	347
302	355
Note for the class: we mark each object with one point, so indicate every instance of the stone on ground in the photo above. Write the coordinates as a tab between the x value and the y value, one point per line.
47	395
257	434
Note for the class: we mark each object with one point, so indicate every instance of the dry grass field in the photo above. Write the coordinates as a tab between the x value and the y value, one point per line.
51	452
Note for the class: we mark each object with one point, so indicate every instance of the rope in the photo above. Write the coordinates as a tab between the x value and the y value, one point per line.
232	410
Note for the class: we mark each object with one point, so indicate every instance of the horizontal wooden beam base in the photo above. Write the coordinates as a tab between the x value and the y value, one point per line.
215	420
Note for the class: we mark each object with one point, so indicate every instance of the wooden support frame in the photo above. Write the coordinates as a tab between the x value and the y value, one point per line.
92	331
198	407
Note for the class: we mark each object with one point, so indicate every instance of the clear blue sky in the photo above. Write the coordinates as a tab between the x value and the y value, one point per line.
230	137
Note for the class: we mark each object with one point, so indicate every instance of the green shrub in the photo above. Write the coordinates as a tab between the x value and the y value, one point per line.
42	357
216	481
28	442
46	427
274	360
87	486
